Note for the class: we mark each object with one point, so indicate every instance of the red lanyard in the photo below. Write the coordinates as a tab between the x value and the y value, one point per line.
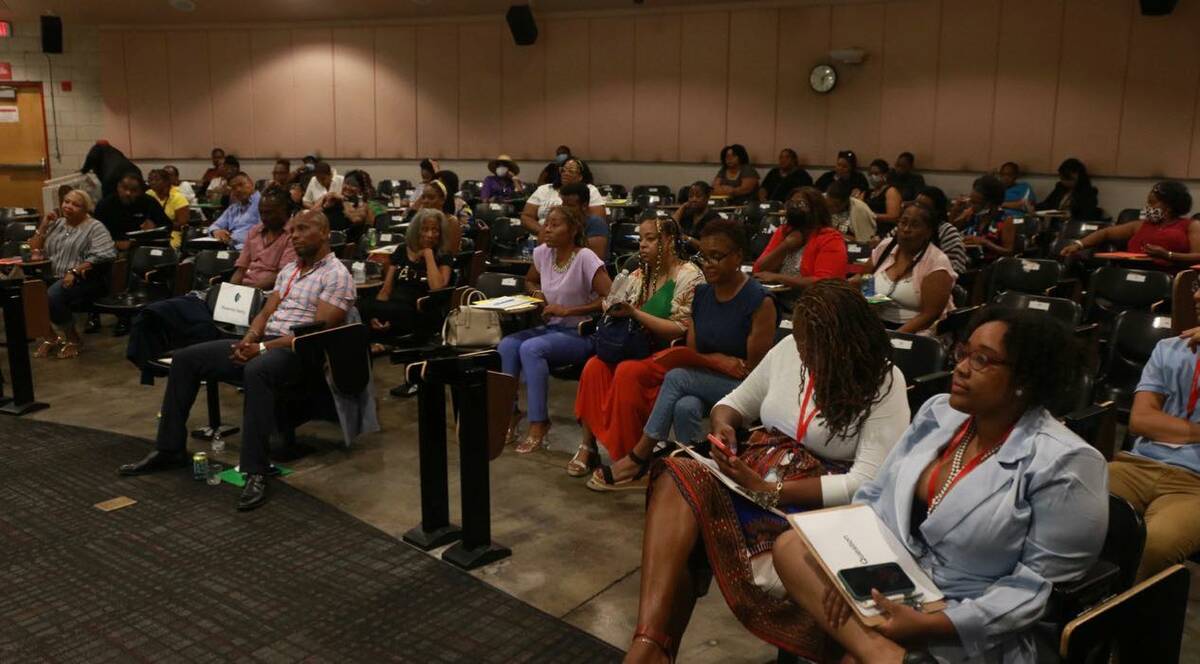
287	289
1195	395
931	489
805	420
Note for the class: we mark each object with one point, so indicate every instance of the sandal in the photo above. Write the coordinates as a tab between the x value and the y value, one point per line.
48	347
578	466
530	444
605	481
514	429
656	638
69	350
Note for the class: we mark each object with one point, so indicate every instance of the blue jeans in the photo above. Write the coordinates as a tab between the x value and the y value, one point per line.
62	300
685	398
528	355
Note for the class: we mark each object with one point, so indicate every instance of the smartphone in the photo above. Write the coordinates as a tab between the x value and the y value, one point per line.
887	578
719	444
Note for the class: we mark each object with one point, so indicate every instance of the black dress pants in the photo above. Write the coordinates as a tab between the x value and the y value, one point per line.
262	376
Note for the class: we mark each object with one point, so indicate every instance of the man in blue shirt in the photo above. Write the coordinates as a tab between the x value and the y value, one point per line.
1018	196
1161	476
242	214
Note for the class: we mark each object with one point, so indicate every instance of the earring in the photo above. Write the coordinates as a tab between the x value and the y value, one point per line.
1020	392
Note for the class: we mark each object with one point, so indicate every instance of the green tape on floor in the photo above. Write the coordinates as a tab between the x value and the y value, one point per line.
232	476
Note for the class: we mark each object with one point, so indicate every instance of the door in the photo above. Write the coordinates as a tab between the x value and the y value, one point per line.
23	160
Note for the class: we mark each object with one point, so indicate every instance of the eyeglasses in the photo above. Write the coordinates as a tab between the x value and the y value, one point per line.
714	257
846	154
979	360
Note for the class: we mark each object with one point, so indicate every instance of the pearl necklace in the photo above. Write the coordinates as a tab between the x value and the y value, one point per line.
956	467
563	268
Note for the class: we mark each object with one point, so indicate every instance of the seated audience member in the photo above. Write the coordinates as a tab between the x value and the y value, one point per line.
903	176
883	197
737	179
218	188
428	169
349	209
949	239
595	229
849	214
217	169
241	215
1073	192
130	209
174	205
981	220
814	450
185	320
845	170
1163	231
1028	509
782	179
317	288
421	266
281	174
324	181
547	196
184	188
549	173
455	206
614	400
296	193
910	269
572	280
694	214
733	327
75	245
110	165
502	185
1018	196
1160	477
805	248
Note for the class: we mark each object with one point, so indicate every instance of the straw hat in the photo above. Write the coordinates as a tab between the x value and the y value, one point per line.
507	161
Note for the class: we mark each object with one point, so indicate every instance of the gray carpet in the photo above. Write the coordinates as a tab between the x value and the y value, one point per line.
183	577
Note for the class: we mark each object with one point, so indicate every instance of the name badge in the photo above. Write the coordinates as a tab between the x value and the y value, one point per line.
1136	278
1039	305
902	344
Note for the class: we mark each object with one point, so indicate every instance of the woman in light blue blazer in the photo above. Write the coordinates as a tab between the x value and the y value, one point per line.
994	498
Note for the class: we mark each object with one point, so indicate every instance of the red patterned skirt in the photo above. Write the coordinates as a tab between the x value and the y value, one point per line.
734	530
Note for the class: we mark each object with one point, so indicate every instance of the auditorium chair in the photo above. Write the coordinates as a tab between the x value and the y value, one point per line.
1134	335
389	188
1142	624
1128	214
613	191
152	276
471	191
755	214
624	238
1028	275
663	192
20	231
488	213
922	360
1074	230
1112	290
758	244
1183	306
508	237
211	266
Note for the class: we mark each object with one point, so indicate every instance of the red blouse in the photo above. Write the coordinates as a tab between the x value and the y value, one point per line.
824	255
1170	235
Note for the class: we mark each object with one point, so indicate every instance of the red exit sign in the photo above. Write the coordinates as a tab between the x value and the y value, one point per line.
5	29
5	71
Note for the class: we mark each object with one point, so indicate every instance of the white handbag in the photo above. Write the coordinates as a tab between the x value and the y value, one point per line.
468	327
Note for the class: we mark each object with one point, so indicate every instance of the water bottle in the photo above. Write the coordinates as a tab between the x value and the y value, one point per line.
218	443
616	292
372	238
868	285
527	250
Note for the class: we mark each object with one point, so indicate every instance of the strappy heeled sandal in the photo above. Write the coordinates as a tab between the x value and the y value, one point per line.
655	638
48	347
69	350
577	466
606	482
531	444
514	429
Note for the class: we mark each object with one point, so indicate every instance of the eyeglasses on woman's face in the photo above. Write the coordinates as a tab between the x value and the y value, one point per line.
714	257
977	359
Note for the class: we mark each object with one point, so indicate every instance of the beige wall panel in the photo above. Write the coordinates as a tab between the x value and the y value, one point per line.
656	88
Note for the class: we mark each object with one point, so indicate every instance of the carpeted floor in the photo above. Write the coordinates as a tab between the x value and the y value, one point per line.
181	576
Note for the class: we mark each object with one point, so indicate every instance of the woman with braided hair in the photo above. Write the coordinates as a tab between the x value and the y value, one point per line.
913	272
832	405
614	400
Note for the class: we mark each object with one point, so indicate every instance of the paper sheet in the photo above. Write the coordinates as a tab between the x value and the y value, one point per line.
725	479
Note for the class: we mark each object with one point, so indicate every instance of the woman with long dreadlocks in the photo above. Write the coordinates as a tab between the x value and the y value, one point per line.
910	269
832	405
614	401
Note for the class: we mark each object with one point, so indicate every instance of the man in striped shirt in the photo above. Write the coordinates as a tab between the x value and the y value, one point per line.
316	288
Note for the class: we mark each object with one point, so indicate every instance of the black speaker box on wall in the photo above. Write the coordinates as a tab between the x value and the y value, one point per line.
520	21
1157	7
51	34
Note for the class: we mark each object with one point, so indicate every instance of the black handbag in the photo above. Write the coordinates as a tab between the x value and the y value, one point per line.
619	339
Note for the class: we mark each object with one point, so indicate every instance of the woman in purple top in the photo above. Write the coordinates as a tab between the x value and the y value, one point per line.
502	185
573	282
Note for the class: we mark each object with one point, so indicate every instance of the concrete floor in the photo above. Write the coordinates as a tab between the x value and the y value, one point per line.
576	553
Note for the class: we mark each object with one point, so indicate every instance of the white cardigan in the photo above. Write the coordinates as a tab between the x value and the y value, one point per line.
772	392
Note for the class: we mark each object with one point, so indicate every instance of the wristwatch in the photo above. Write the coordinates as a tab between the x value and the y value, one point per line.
262	348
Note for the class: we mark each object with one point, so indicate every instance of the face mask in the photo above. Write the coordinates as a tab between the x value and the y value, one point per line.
1153	215
875	180
561	158
795	217
502	171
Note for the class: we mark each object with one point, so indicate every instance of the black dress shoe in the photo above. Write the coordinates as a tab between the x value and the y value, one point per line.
154	462
254	494
121	328
93	324
404	391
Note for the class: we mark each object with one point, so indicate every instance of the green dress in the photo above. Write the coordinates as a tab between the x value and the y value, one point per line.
659	304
